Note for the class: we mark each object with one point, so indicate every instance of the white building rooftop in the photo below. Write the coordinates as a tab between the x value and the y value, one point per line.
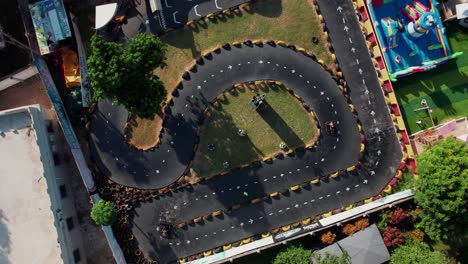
27	223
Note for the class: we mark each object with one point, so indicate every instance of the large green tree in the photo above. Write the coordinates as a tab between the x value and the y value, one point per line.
293	254
103	213
125	74
441	190
417	252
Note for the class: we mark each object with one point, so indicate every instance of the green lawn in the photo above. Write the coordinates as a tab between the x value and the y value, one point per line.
444	88
293	21
282	120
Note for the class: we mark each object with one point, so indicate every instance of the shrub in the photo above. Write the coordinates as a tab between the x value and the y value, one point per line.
417	234
103	212
382	224
397	216
328	237
293	254
330	259
417	252
349	229
393	237
361	224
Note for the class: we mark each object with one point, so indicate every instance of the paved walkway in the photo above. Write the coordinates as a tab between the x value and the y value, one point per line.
18	77
27	92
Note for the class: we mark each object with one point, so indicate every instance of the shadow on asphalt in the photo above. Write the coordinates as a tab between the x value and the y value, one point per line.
151	240
145	220
244	198
271	8
153	24
137	158
184	37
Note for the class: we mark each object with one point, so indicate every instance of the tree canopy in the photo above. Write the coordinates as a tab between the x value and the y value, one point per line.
103	212
441	189
125	75
416	252
293	254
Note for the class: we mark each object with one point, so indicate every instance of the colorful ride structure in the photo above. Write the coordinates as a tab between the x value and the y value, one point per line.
411	35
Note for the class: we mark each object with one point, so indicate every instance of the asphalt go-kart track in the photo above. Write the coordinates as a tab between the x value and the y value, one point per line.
365	161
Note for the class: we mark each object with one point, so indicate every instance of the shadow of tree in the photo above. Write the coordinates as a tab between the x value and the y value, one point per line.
5	246
133	162
226	148
440	99
145	219
442	91
147	241
184	37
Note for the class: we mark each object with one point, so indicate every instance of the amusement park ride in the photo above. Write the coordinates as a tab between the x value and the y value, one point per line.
411	35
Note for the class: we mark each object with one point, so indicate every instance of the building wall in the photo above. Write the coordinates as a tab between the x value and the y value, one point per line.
60	191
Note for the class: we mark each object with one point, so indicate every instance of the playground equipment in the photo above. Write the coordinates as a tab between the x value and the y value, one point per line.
411	35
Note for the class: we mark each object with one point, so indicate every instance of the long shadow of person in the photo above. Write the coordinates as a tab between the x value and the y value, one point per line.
281	128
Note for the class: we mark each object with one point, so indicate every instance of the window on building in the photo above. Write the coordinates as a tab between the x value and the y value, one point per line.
56	158
70	224
63	191
76	255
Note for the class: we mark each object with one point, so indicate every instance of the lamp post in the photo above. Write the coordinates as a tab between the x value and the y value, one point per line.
426	107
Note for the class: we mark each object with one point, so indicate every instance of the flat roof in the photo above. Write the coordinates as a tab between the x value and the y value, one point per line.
27	230
104	14
462	11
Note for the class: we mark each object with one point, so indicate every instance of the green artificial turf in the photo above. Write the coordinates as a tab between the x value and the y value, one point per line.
445	88
282	120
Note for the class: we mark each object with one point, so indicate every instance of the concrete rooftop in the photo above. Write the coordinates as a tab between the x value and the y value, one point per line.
27	231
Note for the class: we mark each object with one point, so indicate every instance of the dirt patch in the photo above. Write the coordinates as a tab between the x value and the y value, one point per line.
143	134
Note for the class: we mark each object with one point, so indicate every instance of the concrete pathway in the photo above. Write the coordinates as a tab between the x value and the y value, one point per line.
18	77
